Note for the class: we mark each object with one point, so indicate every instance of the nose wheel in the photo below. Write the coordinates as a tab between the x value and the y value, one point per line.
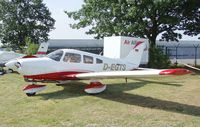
31	94
31	90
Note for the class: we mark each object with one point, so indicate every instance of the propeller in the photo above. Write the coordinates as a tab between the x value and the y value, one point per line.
17	65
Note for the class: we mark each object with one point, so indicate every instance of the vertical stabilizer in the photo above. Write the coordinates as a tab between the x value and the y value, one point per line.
135	55
43	48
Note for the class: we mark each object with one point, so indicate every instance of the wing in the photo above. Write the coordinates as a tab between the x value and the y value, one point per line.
134	73
192	68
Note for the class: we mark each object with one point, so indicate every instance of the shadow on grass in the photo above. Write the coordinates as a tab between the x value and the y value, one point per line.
74	89
117	93
196	73
160	83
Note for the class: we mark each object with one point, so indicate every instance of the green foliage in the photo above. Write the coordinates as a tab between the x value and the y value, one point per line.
24	18
144	18
157	59
6	48
32	48
191	17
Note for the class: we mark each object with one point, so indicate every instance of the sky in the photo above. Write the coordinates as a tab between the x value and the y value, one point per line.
62	29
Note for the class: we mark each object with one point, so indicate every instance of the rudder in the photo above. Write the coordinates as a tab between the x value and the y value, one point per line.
135	55
43	48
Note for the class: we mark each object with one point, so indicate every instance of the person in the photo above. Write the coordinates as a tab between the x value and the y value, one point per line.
67	58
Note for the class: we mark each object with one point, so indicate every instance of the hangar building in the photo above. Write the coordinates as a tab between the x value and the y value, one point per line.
88	45
180	52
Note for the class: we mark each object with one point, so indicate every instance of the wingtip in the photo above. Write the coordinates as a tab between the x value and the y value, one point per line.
178	71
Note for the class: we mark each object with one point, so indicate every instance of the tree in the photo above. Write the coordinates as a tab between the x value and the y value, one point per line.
191	17
138	18
158	59
31	48
21	19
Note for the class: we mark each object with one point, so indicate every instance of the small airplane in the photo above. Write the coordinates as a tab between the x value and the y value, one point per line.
64	65
192	68
6	56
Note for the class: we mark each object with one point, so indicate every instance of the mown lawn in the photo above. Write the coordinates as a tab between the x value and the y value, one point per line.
147	102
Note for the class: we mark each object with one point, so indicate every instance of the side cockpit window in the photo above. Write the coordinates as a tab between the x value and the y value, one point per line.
72	58
56	55
87	59
99	61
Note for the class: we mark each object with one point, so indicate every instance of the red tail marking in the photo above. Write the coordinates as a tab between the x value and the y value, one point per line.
29	56
137	44
41	53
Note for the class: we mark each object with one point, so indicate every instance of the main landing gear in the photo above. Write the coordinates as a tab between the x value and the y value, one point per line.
95	87
31	90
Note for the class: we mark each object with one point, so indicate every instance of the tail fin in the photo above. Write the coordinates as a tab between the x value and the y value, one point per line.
43	48
135	55
41	51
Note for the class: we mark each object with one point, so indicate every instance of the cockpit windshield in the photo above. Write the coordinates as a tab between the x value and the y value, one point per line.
56	55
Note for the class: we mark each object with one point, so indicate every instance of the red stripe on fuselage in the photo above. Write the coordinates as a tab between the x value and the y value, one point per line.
57	76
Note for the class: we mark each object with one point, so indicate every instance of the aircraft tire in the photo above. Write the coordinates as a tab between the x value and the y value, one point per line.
30	94
10	70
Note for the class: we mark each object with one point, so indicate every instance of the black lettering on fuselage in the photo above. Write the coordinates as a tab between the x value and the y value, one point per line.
114	67
105	66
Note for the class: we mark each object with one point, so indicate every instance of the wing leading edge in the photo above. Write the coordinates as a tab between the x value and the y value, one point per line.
135	73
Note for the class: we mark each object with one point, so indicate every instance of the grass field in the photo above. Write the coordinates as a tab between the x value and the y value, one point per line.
147	102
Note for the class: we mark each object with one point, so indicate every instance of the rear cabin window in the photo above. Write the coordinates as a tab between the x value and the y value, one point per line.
72	58
99	61
87	59
56	55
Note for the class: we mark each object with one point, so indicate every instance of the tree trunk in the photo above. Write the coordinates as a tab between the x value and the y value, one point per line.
152	41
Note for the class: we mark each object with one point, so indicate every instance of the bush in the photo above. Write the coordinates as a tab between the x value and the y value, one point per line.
157	59
31	47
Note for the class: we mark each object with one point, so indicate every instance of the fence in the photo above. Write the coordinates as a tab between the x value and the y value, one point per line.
185	54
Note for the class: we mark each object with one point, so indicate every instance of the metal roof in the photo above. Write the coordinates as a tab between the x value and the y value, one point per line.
180	43
62	43
74	43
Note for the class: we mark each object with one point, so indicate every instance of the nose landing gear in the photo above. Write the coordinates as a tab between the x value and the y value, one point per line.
31	90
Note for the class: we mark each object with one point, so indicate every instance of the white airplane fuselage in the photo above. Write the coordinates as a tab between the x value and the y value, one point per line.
50	69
